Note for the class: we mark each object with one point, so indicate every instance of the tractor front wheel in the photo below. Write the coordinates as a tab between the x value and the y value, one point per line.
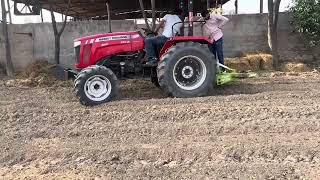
96	85
188	69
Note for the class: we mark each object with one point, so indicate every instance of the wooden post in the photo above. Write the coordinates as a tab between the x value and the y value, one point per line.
9	65
184	14
190	8
109	17
236	6
153	9
41	13
261	6
144	14
9	12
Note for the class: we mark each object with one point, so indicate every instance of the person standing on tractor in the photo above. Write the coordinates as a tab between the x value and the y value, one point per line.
213	26
166	23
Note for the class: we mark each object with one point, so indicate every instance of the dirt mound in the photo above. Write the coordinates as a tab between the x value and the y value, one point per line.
38	73
36	69
250	61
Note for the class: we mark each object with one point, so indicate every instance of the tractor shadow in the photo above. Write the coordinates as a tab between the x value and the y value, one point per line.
142	89
235	89
134	89
256	86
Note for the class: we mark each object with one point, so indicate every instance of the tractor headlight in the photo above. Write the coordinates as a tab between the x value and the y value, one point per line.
76	43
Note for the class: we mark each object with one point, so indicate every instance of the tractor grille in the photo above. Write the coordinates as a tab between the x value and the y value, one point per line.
86	53
77	53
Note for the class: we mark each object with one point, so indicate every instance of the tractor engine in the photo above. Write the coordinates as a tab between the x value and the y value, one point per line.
124	65
122	52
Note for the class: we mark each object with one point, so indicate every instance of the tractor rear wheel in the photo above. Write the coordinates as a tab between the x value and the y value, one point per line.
96	85
188	69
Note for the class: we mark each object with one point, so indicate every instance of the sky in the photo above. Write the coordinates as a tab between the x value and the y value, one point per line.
253	6
244	7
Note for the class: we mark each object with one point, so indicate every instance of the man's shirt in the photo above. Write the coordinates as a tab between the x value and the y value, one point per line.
213	26
170	21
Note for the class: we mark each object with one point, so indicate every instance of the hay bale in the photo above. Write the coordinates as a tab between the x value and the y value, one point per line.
266	61
240	64
259	60
254	61
251	61
295	67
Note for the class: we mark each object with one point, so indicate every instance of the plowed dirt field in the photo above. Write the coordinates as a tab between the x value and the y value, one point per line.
260	128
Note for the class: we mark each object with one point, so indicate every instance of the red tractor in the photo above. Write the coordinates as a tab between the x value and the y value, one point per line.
186	67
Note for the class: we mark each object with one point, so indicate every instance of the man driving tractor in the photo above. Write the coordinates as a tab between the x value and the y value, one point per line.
166	23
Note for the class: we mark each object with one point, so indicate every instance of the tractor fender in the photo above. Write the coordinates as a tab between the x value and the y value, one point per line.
177	39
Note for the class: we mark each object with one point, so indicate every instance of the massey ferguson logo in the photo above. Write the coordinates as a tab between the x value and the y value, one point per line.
108	38
104	39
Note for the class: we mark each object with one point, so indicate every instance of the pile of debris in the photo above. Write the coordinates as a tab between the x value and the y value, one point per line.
36	74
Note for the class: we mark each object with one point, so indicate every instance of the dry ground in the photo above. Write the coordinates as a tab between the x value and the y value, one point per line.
262	128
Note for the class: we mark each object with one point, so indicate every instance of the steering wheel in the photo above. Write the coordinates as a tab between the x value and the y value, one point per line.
149	33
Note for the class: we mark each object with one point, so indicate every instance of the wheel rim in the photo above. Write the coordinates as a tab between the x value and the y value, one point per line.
189	73
97	88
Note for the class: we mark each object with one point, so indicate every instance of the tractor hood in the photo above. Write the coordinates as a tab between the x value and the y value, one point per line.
114	35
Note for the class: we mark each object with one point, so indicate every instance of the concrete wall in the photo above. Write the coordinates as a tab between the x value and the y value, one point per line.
249	33
36	41
244	33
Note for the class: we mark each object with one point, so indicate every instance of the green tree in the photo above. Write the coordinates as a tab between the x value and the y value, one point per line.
306	19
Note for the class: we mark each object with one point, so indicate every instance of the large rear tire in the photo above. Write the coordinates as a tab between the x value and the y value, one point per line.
187	69
95	85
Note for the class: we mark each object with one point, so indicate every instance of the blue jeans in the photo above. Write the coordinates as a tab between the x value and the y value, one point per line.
217	49
152	44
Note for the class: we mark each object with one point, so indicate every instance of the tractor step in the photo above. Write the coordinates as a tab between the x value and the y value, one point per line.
148	66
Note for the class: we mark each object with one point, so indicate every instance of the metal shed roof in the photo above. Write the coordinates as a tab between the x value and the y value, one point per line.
120	9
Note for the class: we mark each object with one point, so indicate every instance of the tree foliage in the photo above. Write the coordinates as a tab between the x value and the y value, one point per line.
306	19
